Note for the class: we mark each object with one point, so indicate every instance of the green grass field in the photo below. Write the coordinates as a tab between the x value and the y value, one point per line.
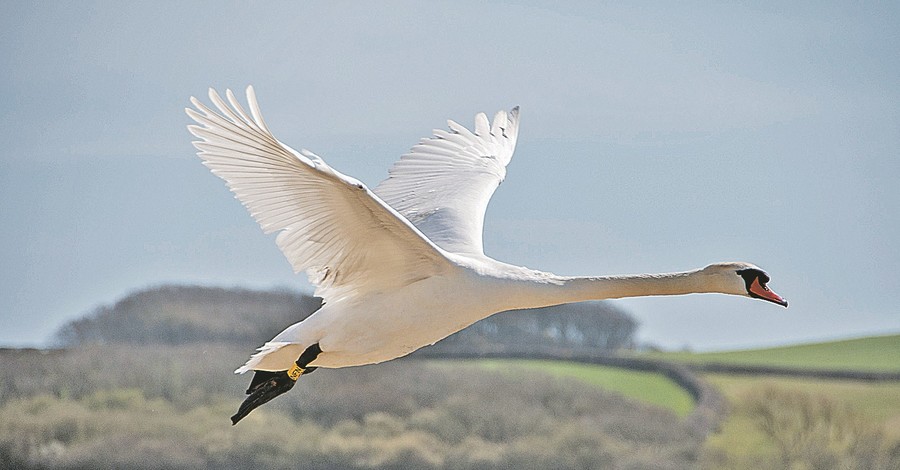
647	387
877	353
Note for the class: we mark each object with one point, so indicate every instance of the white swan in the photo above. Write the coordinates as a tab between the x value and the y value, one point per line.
400	267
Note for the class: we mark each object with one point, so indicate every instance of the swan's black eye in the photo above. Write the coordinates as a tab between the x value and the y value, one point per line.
751	274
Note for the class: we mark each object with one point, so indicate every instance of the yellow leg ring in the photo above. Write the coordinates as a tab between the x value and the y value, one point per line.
295	372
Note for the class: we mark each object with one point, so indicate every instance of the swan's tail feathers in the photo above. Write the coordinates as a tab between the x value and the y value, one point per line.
272	356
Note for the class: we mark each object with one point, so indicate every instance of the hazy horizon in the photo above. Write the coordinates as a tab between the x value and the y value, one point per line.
654	137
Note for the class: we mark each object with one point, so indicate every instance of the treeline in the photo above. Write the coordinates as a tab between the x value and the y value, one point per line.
580	326
189	314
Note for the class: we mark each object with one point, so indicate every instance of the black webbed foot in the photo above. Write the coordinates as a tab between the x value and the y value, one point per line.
261	376
270	385
267	385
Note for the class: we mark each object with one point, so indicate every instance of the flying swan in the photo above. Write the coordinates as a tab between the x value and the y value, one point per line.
401	266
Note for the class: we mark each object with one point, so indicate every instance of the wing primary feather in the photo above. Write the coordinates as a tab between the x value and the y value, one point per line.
460	129
223	107
482	126
240	110
499	124
254	109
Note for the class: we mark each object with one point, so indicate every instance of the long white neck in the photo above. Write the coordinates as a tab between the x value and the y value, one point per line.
547	289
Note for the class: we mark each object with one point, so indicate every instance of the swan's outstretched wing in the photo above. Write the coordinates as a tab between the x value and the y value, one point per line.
330	225
444	183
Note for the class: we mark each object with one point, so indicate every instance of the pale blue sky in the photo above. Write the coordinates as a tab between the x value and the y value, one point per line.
654	137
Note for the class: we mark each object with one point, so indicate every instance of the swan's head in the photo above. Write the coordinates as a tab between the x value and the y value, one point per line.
745	279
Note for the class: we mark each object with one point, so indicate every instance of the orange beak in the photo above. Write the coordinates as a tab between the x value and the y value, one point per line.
762	292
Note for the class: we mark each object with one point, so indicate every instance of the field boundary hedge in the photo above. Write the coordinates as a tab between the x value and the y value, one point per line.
710	409
708	413
746	369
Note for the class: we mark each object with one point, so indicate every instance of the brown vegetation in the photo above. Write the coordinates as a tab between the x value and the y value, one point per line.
807	431
167	407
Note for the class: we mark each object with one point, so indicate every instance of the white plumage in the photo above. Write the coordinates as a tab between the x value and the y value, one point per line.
402	266
444	184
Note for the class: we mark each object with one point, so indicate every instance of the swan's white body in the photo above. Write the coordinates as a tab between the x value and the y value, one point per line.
400	267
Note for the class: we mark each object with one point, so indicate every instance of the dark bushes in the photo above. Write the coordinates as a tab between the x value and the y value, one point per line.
190	314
